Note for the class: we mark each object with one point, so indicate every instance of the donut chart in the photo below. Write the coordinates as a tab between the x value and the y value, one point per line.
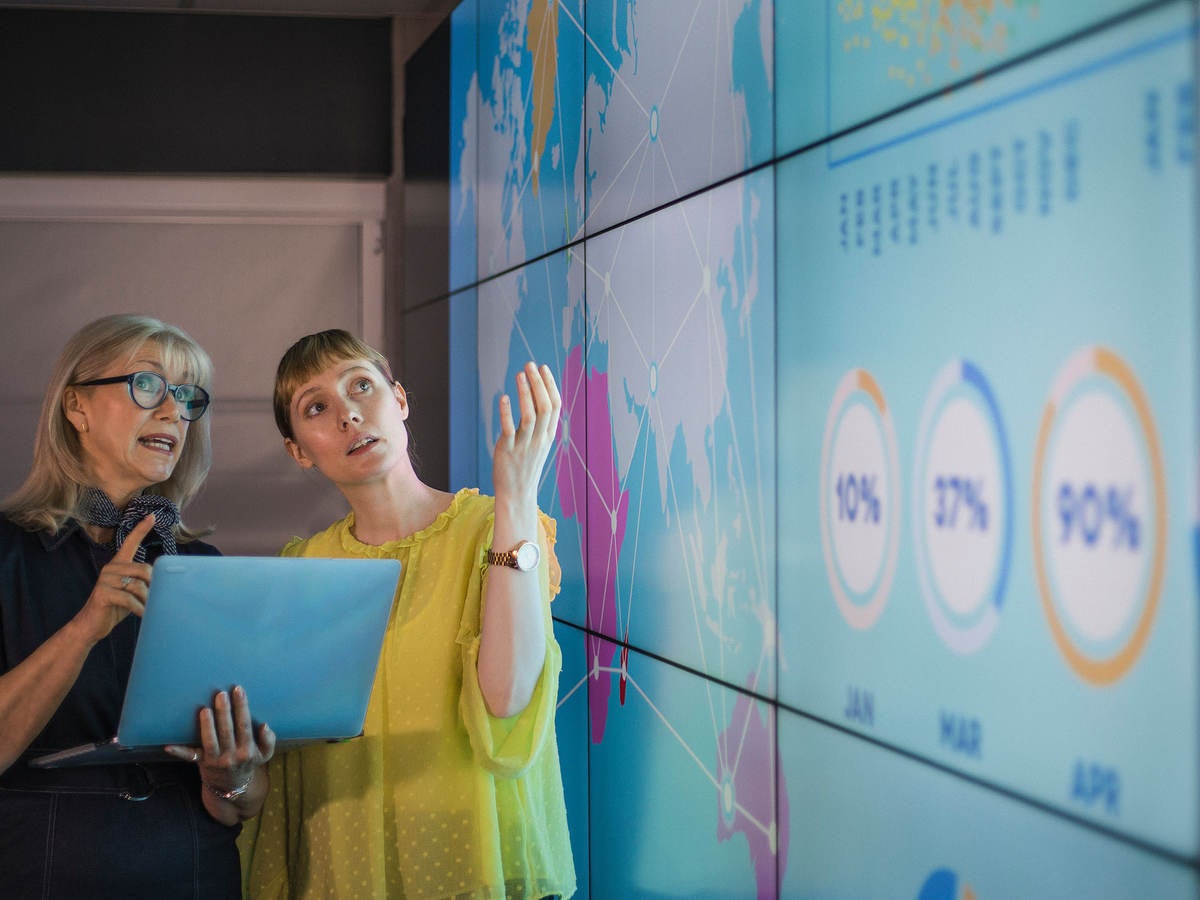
860	502
1099	515
962	506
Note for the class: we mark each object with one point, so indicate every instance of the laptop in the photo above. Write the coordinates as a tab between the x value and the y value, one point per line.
301	635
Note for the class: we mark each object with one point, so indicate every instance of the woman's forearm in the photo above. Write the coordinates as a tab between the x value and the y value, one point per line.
32	691
512	646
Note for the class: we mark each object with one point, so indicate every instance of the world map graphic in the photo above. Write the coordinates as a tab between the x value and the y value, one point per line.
659	332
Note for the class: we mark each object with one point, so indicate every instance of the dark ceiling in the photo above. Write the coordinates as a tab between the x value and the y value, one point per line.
401	8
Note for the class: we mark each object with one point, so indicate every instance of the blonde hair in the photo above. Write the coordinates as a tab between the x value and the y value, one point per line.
51	493
313	354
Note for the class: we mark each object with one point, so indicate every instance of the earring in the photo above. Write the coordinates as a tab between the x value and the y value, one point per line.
83	426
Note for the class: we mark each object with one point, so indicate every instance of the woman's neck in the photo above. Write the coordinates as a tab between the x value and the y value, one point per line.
392	510
101	536
119	495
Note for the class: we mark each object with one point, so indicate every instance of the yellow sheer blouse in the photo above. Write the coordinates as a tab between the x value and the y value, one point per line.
437	798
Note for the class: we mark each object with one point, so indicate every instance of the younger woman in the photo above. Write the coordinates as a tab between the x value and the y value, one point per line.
454	789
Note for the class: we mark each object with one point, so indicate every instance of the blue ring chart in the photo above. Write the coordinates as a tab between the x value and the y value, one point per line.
962	506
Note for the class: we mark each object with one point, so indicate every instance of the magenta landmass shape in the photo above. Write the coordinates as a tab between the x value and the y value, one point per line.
747	745
589	491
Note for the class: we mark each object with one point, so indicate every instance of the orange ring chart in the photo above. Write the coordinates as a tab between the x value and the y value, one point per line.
1099	515
860	498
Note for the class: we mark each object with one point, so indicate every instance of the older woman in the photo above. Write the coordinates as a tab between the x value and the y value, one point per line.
122	443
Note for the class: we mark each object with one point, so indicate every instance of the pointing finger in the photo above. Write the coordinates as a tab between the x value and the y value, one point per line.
134	541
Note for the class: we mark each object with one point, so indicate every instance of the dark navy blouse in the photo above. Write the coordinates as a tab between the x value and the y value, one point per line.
133	830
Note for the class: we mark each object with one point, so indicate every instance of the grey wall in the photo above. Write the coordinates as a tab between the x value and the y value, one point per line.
243	291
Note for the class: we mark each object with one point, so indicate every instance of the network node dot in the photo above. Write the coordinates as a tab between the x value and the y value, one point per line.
654	123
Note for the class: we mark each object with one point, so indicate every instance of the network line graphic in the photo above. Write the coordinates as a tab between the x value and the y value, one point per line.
738	757
678	97
675	453
659	331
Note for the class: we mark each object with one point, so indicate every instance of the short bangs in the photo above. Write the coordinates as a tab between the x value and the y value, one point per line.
310	356
183	356
180	353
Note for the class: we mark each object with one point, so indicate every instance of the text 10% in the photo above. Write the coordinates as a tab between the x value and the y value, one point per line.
857	500
1089	510
959	503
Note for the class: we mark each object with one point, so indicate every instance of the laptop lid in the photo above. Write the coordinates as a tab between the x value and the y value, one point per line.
301	635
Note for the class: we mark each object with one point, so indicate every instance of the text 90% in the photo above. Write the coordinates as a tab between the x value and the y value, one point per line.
1088	510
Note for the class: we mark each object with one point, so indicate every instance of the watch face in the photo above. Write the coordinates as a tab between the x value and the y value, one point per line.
527	556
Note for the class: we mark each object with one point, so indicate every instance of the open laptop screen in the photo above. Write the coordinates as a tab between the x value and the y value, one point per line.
302	636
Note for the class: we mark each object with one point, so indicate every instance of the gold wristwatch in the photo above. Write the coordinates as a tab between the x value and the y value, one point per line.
524	556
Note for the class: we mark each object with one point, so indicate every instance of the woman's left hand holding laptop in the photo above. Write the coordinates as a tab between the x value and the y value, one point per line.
231	757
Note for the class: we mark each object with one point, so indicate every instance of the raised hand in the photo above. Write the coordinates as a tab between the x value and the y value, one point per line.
512	645
521	452
121	589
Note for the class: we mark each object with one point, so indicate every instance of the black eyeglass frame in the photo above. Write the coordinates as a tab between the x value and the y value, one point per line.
199	393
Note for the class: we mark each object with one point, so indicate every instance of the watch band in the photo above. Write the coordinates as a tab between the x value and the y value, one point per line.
502	558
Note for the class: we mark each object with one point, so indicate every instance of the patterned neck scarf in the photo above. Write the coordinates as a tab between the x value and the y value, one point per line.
98	510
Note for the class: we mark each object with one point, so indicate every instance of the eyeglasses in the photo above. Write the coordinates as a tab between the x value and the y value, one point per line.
149	389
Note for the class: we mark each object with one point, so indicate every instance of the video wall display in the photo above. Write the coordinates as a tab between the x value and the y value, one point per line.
876	328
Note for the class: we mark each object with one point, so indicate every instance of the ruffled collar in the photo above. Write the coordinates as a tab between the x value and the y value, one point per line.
353	545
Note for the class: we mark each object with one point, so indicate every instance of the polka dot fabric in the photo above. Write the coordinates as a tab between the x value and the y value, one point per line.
437	798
